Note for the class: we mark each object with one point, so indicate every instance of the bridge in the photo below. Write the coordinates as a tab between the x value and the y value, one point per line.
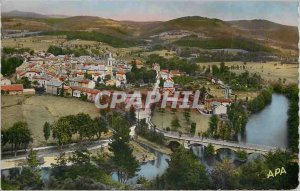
188	141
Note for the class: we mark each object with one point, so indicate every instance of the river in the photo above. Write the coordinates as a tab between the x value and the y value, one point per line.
269	127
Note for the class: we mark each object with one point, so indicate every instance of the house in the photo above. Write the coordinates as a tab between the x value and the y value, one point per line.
81	82
14	89
176	73
110	83
5	81
168	83
29	74
53	87
217	106
164	74
29	91
78	91
121	76
42	80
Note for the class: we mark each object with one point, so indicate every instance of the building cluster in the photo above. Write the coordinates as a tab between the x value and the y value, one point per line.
168	82
73	76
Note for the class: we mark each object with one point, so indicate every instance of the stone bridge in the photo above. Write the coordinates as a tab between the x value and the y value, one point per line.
188	141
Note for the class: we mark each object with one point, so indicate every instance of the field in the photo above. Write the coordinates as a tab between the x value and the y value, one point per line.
42	43
270	71
36	110
37	43
164	53
164	120
218	92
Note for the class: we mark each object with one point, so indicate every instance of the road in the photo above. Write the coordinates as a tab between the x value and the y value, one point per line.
50	152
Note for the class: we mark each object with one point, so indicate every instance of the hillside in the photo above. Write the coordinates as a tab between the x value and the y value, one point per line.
22	14
268	30
207	26
259	31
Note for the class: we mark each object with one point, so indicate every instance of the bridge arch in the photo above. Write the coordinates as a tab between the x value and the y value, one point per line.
173	145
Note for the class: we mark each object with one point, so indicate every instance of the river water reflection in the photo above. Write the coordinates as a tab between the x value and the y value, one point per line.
269	127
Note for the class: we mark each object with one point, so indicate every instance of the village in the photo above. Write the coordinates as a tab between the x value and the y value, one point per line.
77	77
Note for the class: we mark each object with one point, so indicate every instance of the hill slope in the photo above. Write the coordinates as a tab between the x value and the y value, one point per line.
260	31
268	30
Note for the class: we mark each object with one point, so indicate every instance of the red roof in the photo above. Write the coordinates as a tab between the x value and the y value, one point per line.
121	72
14	87
166	71
175	72
86	90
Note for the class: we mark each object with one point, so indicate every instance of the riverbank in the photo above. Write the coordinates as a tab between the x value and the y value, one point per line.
160	148
141	154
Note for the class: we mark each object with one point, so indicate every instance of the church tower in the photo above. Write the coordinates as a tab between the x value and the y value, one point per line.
109	65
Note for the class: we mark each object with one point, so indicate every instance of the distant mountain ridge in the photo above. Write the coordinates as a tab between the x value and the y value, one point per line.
261	31
16	13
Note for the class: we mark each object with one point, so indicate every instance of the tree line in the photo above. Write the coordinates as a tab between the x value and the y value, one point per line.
96	36
187	173
9	65
172	64
142	75
81	124
244	81
149	134
10	50
261	101
55	50
18	136
291	92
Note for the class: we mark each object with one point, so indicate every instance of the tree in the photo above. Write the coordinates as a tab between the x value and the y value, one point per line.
25	81
47	130
122	158
175	123
241	154
84	125
18	135
213	126
100	126
215	70
80	157
209	151
9	65
32	159
132	114
225	176
187	116
61	161
63	129
193	128
30	176
185	172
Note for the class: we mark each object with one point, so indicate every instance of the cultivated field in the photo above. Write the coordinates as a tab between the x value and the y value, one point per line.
270	71
37	43
164	120
36	110
164	53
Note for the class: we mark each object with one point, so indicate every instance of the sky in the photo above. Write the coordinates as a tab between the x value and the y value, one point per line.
283	12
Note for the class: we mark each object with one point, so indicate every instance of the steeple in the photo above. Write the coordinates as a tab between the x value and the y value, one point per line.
110	60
